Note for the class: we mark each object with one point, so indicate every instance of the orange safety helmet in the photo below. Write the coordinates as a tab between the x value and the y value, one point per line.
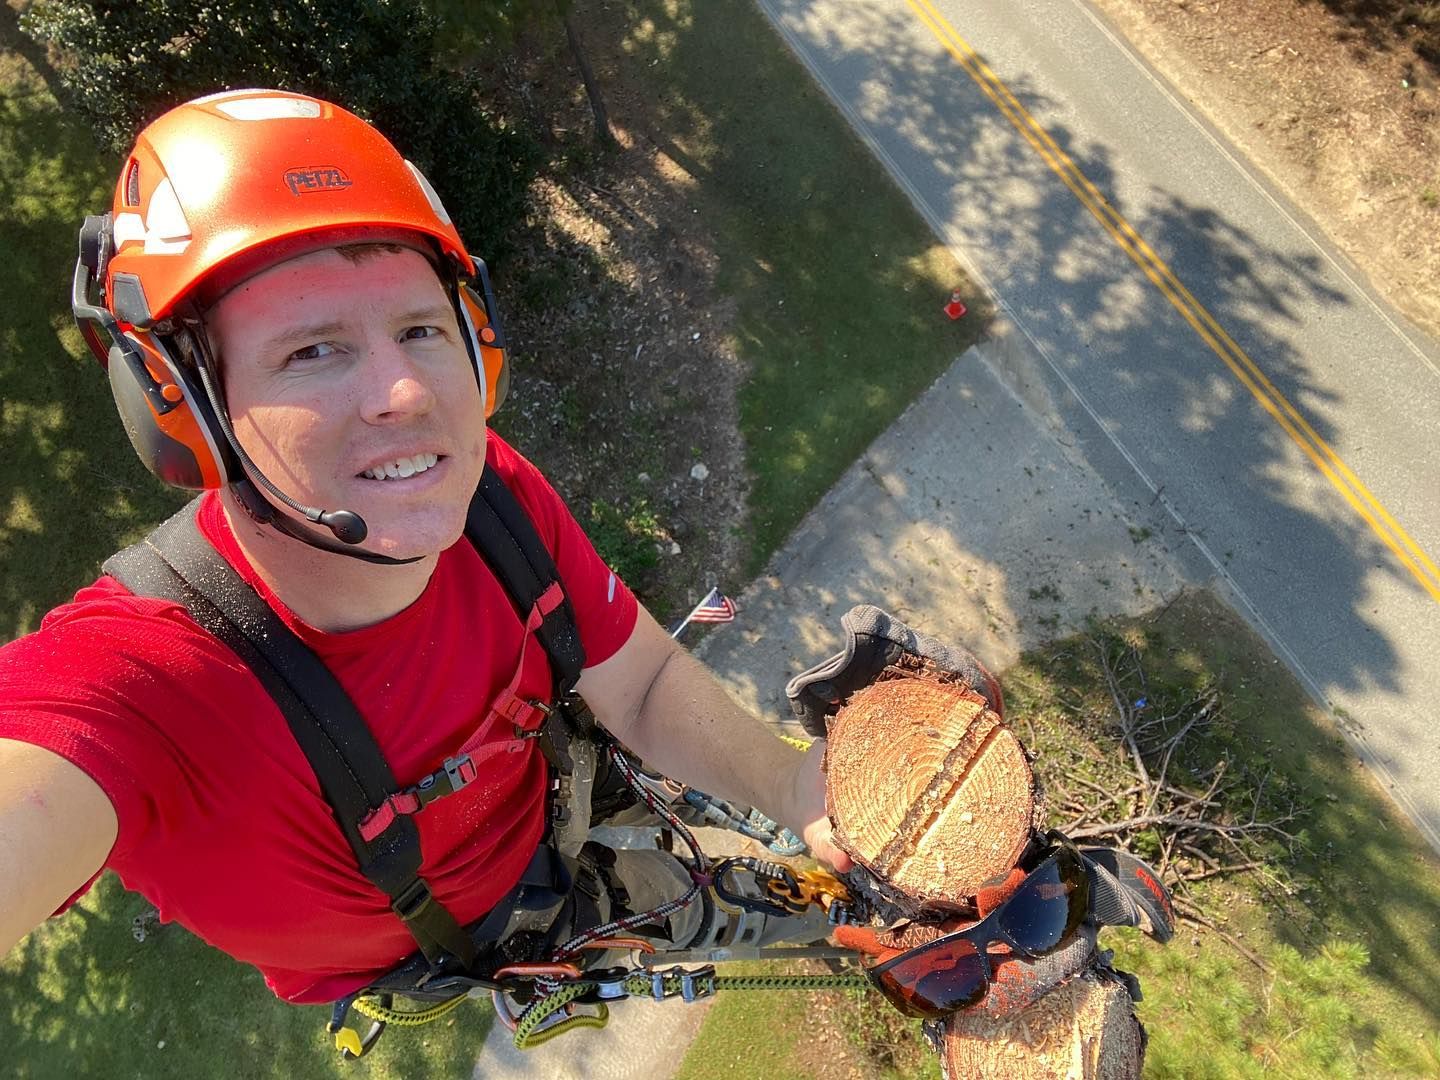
215	191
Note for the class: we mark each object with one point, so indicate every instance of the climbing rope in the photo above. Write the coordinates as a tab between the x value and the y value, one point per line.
371	1007
538	1023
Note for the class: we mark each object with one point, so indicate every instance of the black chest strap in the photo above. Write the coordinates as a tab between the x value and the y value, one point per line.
176	563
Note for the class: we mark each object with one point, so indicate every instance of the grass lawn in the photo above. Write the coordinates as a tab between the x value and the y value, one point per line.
73	490
838	285
838	282
1353	949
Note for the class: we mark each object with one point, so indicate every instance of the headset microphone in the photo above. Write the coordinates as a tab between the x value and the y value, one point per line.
343	523
348	526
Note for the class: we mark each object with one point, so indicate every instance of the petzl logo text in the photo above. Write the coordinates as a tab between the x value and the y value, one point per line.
316	178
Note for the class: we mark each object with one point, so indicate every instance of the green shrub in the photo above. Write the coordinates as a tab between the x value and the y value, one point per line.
124	63
626	538
1304	1021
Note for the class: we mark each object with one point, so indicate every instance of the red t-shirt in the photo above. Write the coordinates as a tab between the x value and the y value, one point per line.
222	823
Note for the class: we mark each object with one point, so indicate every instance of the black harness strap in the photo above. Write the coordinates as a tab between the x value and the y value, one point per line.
176	563
506	538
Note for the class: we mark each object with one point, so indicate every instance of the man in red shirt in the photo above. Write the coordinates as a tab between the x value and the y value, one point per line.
283	294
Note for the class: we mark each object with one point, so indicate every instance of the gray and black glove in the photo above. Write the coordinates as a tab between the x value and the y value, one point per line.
873	642
1126	892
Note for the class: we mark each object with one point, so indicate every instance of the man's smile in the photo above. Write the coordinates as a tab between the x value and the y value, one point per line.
401	468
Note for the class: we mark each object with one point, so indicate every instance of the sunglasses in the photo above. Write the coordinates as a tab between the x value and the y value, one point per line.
954	971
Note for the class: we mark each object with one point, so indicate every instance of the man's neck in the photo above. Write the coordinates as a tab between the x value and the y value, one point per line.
329	592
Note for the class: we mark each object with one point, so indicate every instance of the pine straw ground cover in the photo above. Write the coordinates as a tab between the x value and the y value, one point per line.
1323	961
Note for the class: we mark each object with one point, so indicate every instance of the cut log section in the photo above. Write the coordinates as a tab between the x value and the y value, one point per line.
928	789
1084	1030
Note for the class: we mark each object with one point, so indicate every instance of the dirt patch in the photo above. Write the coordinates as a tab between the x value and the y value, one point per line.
1338	102
613	281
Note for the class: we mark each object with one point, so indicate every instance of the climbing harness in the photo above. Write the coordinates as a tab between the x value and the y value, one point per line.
377	816
540	1001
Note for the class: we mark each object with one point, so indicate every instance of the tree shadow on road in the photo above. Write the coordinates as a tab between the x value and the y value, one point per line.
1104	325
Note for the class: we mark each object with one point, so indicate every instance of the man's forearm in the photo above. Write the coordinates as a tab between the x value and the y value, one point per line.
688	728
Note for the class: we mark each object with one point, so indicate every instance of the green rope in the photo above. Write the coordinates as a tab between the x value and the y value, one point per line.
371	1007
541	1010
643	985
705	985
791	982
544	1008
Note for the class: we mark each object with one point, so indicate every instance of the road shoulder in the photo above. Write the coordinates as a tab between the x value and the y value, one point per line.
1343	118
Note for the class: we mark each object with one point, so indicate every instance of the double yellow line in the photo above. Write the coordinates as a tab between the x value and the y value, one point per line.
1410	554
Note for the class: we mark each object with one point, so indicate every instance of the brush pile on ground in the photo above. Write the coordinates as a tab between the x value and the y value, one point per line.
1193	819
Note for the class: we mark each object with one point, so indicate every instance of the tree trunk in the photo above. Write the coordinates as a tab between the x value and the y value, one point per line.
1084	1030
592	88
931	792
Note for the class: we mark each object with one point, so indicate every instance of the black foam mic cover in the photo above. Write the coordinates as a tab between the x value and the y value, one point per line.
348	526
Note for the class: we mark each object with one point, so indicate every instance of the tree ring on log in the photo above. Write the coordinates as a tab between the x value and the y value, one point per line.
927	789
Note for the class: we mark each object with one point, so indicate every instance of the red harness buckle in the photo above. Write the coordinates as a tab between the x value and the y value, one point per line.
524	716
446	780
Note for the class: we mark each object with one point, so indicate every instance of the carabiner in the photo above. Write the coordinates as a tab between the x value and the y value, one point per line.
816	887
351	1044
769	902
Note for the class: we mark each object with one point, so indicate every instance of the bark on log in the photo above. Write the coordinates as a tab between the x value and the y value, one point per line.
928	790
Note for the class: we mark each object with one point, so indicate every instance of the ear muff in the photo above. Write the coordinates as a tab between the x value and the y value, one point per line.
489	348
165	413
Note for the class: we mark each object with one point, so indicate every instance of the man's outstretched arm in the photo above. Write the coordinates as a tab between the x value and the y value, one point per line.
56	828
668	708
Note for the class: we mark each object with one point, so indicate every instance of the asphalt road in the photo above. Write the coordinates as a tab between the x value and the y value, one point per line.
1218	364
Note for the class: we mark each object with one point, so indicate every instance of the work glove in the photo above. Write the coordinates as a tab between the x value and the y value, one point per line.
873	642
1125	891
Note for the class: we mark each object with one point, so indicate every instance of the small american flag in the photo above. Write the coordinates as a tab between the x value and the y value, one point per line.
714	608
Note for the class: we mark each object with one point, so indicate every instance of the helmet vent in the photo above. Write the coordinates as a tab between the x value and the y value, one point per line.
270	107
132	183
430	195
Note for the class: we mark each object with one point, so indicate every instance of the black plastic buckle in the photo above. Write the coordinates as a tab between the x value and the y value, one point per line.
415	899
560	799
445	780
538	729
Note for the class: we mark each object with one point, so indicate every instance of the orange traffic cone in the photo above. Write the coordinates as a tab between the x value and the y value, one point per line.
955	308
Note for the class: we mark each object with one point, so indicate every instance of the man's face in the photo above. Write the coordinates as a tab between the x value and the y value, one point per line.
337	372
